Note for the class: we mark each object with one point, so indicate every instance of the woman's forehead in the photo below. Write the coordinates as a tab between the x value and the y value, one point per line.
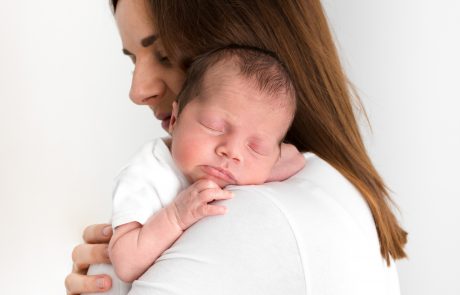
133	19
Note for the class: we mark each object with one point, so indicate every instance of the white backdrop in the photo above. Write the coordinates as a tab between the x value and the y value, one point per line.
66	126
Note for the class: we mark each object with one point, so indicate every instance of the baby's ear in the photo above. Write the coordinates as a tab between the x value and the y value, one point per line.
173	120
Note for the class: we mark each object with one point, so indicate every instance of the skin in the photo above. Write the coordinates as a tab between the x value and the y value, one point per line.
156	82
134	247
211	138
213	146
94	251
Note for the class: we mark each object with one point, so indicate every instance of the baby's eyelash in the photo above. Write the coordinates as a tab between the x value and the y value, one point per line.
255	150
214	130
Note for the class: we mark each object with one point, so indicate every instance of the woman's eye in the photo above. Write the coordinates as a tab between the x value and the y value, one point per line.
163	59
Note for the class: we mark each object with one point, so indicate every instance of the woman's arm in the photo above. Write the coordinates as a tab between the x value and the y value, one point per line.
93	251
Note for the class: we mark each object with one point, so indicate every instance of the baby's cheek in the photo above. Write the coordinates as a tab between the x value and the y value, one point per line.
181	158
188	155
182	155
257	174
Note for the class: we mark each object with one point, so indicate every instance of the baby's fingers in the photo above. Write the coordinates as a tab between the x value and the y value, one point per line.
205	184
210	195
210	210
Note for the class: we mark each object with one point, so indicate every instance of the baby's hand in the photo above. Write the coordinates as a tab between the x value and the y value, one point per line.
291	162
192	204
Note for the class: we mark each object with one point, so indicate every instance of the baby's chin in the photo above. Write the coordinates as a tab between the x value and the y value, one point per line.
222	183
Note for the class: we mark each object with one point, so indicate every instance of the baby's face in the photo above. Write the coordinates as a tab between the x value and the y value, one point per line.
230	134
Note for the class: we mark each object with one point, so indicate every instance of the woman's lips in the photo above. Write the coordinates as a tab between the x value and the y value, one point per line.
165	123
219	173
165	118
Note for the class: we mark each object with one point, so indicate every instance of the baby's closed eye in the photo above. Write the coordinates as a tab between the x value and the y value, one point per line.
261	148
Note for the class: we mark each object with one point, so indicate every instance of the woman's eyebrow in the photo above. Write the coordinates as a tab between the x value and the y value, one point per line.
145	42
126	52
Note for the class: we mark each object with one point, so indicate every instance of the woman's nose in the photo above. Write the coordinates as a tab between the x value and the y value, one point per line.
146	84
231	151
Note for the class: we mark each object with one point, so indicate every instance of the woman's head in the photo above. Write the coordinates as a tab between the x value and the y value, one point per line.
156	80
298	33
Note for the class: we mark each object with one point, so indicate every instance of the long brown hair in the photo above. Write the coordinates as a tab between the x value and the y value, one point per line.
298	33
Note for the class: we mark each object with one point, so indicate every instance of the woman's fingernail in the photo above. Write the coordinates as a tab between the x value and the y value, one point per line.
100	283
107	231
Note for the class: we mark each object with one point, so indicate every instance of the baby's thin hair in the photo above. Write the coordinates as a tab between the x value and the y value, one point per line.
260	66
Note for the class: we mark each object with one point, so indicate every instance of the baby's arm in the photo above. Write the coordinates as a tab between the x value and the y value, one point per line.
290	162
135	247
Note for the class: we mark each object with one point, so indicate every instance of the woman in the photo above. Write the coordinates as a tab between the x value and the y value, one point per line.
335	244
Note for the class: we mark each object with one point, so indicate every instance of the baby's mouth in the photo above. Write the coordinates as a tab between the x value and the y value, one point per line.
220	173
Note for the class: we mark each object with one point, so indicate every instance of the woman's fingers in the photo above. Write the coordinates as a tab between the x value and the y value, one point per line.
97	233
96	251
78	283
86	254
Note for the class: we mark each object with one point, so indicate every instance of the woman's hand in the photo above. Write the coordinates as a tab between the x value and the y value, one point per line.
94	251
290	162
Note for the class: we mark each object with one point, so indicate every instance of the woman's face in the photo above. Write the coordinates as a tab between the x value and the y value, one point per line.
156	80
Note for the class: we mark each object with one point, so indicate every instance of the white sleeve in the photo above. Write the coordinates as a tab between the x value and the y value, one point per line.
135	197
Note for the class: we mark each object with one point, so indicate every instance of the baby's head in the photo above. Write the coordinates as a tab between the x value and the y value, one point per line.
231	116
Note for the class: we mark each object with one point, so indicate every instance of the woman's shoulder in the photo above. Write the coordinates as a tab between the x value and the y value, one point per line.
317	201
321	184
332	227
318	187
249	250
299	236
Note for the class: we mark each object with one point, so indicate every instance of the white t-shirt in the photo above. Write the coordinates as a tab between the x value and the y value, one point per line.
311	234
149	182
